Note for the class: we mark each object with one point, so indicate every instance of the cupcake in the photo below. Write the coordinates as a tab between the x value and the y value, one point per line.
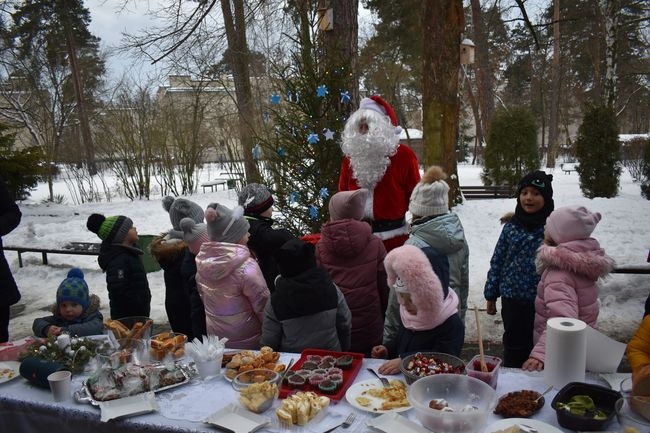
325	365
314	358
287	376
328	386
336	378
297	381
334	370
322	371
344	361
309	365
329	358
315	379
304	373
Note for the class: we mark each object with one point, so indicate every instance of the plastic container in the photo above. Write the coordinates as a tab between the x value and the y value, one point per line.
490	377
131	321
640	404
259	375
459	391
604	399
457	364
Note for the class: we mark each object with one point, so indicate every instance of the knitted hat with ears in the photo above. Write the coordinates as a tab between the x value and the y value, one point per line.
225	225
571	223
194	234
181	208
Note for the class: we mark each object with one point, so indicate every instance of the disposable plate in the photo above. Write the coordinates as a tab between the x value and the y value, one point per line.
237	419
128	406
394	422
358	389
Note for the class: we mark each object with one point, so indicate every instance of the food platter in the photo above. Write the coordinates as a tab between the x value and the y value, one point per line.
237	420
85	394
9	370
526	423
360	389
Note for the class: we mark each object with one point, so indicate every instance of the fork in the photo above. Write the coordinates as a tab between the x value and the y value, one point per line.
345	424
383	380
527	429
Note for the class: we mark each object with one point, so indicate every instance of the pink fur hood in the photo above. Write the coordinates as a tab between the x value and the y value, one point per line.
414	269
583	257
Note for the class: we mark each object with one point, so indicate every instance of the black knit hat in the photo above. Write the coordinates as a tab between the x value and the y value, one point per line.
540	180
294	257
112	229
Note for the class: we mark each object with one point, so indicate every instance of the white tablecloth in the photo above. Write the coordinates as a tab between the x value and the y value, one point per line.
27	408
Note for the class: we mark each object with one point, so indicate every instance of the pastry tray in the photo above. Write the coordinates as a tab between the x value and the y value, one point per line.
84	395
348	374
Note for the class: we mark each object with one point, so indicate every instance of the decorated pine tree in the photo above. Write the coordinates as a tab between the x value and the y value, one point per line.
299	155
599	153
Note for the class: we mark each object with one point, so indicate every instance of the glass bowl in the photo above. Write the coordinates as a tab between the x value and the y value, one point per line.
639	404
449	364
258	375
133	324
167	345
471	399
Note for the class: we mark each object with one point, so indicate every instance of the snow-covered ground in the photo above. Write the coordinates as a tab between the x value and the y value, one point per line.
623	232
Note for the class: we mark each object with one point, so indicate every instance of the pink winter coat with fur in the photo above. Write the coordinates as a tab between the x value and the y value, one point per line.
568	287
414	269
233	291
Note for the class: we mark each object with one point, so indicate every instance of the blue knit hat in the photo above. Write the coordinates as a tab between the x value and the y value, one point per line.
74	289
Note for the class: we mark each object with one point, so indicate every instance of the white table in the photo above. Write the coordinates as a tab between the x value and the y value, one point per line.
27	408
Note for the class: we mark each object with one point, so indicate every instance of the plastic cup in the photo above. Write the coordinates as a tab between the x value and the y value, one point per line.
208	369
61	385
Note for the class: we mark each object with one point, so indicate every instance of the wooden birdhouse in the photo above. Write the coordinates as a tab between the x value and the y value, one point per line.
467	52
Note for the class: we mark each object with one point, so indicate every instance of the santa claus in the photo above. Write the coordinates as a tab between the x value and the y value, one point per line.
375	160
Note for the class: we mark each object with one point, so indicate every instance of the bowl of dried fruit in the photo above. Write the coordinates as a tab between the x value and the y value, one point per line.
424	364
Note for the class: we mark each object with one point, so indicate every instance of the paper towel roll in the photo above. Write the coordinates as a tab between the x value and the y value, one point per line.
566	351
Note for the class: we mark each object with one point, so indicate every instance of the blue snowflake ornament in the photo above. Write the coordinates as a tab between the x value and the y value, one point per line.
266	116
281	152
313	212
324	193
312	138
293	197
321	91
345	97
275	99
256	152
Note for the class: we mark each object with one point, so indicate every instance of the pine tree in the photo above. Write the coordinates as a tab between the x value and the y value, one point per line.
511	149
300	154
599	153
21	169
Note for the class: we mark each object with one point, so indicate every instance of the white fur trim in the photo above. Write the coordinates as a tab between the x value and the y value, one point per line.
390	234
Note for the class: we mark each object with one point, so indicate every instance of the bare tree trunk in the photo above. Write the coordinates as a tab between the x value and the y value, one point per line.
477	121
442	22
236	34
553	127
483	70
340	43
610	9
81	107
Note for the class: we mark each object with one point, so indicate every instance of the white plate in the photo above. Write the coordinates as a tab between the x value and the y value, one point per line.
357	389
394	422
540	426
9	370
128	406
237	419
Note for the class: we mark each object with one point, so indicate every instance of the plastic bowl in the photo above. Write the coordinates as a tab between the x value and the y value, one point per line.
490	377
446	360
258	375
629	418
131	321
604	399
638	403
167	345
459	391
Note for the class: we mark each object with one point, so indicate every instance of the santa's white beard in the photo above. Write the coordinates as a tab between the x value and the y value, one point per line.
369	153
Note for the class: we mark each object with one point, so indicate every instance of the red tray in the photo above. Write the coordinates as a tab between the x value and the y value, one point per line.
348	374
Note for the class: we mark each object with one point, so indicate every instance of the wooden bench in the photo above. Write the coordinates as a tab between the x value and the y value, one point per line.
234	179
568	167
486	192
75	248
214	183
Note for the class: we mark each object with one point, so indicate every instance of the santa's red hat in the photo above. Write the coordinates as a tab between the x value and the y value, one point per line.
376	103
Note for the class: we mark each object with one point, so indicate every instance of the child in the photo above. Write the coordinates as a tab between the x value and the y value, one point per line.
229	281
512	274
120	258
570	262
75	312
435	228
638	355
427	317
264	240
306	310
194	235
354	258
169	250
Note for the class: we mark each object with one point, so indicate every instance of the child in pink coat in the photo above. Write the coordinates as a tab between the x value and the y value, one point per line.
229	280
570	263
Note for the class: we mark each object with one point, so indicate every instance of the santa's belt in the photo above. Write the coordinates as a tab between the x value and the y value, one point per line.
386	225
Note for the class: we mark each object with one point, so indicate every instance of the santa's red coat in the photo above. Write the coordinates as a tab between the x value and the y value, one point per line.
392	194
